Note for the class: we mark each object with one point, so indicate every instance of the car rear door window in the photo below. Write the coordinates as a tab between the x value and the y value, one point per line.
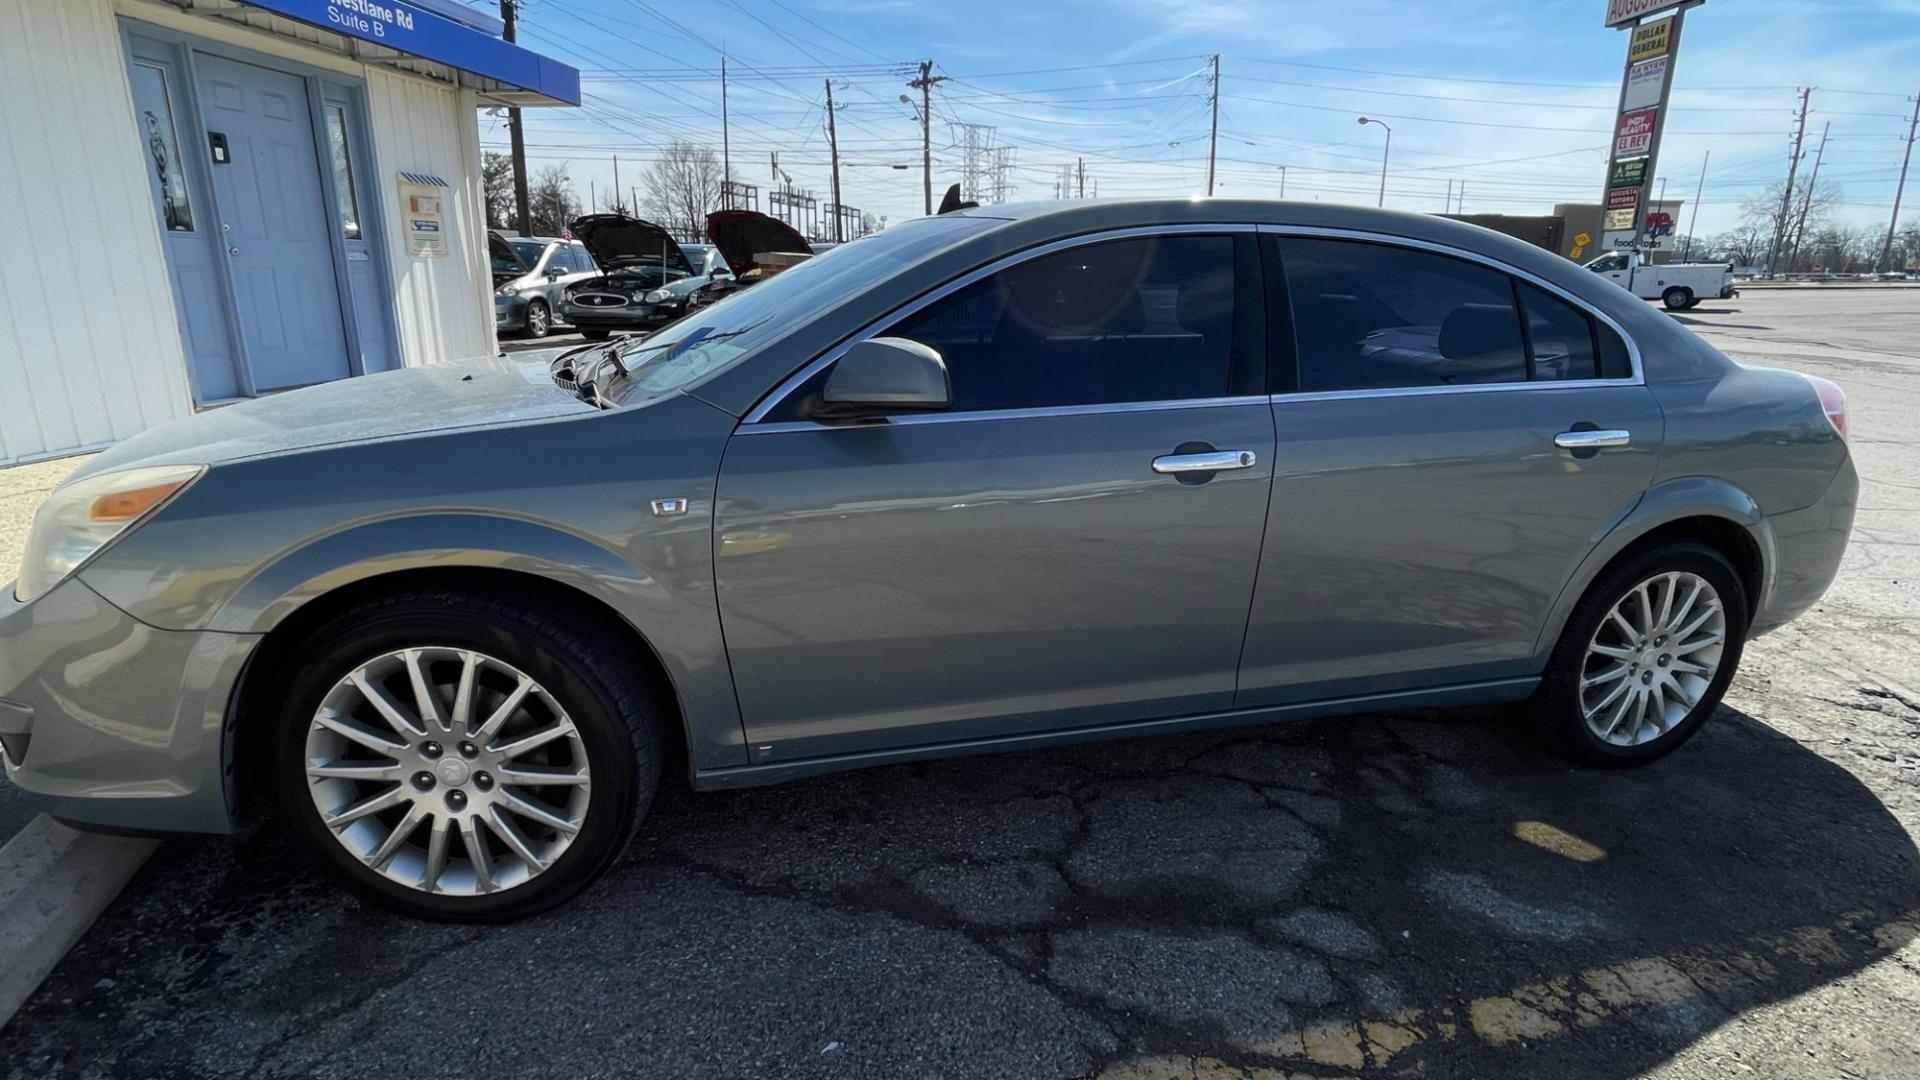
1561	338
1135	320
1374	316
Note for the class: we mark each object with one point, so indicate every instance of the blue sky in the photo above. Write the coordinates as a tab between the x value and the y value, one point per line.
1511	102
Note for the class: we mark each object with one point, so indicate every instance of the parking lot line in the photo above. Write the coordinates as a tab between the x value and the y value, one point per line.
54	882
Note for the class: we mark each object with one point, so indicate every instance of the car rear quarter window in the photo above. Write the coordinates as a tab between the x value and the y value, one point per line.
1123	321
1560	336
1374	316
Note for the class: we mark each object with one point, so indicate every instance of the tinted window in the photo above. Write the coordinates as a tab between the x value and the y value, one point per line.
1149	319
1561	337
1614	361
1370	316
1609	263
529	251
582	260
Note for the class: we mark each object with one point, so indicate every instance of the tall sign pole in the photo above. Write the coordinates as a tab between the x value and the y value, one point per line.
1646	84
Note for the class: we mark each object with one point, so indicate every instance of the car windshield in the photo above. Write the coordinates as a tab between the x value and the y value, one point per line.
528	250
713	337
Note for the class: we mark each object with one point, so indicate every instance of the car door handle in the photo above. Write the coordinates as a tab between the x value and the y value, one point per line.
1592	440
1214	461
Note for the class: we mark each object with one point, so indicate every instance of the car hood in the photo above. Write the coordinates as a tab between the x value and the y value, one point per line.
742	234
502	252
490	391
616	240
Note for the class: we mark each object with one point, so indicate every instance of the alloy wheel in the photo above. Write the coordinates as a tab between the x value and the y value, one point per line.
1652	658
447	770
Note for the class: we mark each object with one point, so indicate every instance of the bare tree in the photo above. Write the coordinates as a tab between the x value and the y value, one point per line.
681	187
552	203
496	177
1806	214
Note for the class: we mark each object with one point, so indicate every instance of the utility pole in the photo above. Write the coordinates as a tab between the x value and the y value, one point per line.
616	182
726	142
1786	196
1886	250
1806	201
1083	178
1460	199
522	213
1213	135
1698	194
833	152
925	84
1449	203
1385	153
593	199
1283	181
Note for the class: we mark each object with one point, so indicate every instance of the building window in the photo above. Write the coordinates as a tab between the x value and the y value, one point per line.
154	109
342	171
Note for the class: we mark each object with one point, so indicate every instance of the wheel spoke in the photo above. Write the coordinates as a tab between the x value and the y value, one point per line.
426	696
1646	610
528	808
1707	613
373	804
524	743
508	706
516	841
1686	606
1606	676
1688	667
439	831
357	732
384	704
1630	703
1612	696
1616	652
1679	691
1697	644
358	770
1627	630
415	814
475	842
540	776
1672	583
463	691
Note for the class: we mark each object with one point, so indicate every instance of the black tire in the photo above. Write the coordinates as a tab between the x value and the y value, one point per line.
595	335
539	319
611	705
1560	689
1678	298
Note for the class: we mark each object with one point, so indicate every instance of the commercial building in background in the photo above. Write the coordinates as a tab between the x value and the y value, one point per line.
1562	230
215	200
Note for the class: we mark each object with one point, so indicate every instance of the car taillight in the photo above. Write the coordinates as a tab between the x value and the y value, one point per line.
1833	401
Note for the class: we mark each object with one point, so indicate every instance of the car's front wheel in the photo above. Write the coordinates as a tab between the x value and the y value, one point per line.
1647	655
465	756
539	319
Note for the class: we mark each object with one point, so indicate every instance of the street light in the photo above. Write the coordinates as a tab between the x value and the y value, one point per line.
1384	154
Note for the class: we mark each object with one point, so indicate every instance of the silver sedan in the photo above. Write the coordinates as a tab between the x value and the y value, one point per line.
1006	478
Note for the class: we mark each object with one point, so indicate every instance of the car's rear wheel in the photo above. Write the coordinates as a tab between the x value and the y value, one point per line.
465	756
1647	655
1678	298
539	319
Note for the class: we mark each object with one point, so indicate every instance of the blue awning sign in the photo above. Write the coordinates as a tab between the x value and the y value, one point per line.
419	32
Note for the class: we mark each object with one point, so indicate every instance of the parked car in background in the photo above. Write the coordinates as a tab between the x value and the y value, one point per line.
1677	285
649	276
989	480
529	303
755	246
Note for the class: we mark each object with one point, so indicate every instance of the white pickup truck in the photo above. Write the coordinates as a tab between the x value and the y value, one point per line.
1677	285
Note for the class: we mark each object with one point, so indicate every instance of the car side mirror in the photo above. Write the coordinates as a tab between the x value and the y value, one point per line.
884	375
554	272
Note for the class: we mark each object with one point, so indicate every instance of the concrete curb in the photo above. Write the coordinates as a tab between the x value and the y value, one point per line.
54	882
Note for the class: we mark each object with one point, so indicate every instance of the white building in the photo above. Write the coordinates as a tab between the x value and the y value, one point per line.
214	200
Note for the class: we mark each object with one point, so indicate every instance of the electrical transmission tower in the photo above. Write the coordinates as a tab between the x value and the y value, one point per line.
1000	182
976	162
1063	184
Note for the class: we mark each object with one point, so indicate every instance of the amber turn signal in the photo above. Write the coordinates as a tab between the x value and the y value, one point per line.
128	505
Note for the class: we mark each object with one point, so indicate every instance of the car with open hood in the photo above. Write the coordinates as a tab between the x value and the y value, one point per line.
755	245
1009	477
637	259
529	302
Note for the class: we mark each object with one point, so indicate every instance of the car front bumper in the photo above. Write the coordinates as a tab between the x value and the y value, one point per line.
114	724
631	317
509	312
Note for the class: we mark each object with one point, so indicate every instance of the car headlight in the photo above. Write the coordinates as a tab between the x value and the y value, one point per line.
658	296
504	290
81	518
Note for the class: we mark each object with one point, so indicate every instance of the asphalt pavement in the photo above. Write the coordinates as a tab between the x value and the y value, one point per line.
1423	894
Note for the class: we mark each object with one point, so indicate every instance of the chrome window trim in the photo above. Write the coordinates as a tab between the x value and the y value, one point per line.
774	398
911	419
1321	232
